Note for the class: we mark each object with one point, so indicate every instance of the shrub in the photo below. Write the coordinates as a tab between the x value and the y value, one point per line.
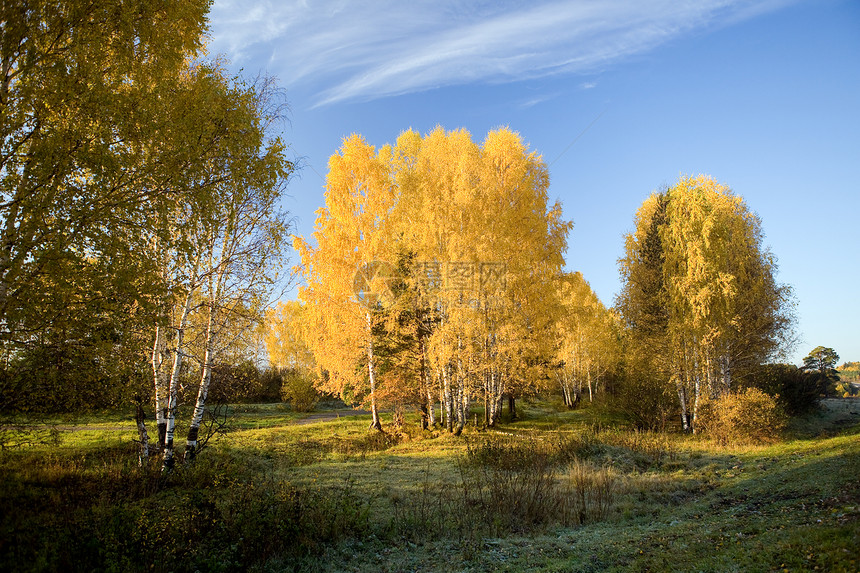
645	398
799	391
510	484
592	492
750	416
238	382
513	485
299	391
846	390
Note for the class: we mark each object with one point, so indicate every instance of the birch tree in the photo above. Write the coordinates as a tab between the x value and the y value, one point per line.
220	237
470	236
285	338
588	345
242	248
480	226
716	292
346	273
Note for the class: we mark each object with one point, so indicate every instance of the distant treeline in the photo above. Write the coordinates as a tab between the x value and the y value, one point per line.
849	372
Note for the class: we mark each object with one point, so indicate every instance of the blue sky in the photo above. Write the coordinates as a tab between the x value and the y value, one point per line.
621	97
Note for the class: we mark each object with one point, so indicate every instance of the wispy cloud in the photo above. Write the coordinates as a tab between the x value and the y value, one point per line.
365	50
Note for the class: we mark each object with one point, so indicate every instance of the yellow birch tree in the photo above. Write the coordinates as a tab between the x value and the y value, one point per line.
346	273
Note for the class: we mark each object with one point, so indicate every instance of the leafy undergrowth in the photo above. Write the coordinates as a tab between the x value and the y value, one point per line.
555	491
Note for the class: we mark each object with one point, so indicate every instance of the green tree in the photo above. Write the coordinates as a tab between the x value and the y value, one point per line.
643	304
88	163
84	87
220	241
822	361
799	391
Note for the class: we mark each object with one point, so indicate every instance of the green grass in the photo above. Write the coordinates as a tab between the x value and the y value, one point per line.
276	495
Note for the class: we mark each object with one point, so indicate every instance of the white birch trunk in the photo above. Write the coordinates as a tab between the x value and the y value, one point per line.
500	390
203	390
682	398
588	378
371	367
448	398
459	396
697	389
158	356
173	390
726	371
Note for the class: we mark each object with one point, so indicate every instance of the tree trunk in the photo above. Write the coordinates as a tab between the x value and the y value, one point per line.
461	401
697	387
512	406
158	352
486	399
142	435
424	384
588	378
173	389
726	372
202	392
431	407
448	398
491	399
375	422
682	398
565	393
498	385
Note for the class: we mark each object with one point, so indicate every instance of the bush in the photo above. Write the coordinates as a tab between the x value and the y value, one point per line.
647	401
846	390
299	391
592	492
514	485
750	416
99	513
799	390
240	382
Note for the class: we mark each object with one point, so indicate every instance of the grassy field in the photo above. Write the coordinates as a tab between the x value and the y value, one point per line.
556	490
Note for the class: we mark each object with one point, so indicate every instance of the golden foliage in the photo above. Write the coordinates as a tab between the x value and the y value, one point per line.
750	416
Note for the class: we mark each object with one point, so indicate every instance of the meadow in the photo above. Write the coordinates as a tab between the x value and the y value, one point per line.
555	490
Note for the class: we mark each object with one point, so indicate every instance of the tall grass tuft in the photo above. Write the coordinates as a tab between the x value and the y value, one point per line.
591	493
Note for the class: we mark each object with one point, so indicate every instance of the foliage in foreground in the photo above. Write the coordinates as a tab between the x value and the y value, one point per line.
574	497
219	516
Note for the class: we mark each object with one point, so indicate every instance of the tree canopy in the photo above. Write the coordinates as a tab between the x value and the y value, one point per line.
472	248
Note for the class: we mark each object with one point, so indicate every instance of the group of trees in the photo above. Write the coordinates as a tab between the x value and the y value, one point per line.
701	305
401	305
435	279
139	190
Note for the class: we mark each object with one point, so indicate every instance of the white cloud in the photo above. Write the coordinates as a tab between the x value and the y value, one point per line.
364	50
